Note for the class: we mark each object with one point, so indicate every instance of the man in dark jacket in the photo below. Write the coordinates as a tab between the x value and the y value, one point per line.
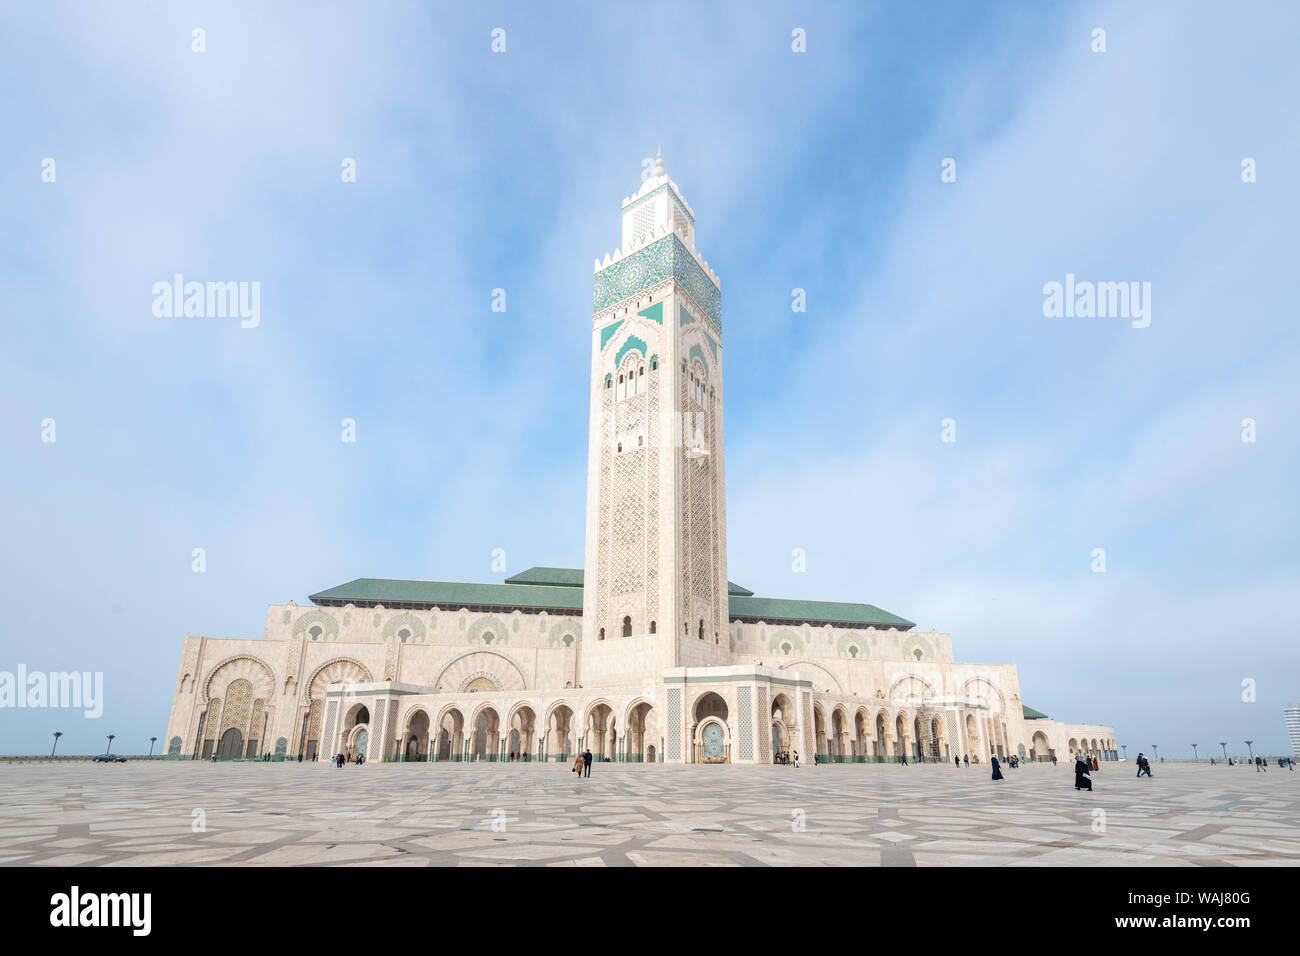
586	762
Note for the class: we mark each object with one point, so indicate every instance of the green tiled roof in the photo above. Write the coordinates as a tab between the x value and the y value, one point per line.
572	578
394	593
1031	714
557	577
560	589
783	609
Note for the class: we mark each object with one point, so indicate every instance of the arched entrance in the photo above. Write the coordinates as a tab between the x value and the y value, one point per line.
819	731
360	740
784	723
451	735
358	716
417	736
231	744
712	744
486	734
600	736
1039	748
558	740
640	732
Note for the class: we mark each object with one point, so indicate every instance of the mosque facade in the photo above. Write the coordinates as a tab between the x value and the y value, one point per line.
647	654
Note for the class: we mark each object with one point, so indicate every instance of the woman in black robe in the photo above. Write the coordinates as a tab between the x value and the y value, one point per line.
1082	780
997	770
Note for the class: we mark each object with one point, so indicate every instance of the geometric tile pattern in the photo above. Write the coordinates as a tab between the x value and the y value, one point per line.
420	814
745	722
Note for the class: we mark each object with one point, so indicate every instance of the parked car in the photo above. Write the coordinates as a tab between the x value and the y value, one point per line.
109	758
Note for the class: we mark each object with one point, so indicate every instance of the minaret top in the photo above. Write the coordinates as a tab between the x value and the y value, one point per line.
656	210
659	177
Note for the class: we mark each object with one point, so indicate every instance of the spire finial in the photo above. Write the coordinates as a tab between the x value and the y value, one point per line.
659	162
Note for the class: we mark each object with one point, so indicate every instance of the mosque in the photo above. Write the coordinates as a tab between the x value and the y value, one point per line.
648	653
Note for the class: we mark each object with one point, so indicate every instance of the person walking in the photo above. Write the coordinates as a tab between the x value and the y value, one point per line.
578	765
965	759
1082	780
956	761
1095	765
586	761
796	760
997	769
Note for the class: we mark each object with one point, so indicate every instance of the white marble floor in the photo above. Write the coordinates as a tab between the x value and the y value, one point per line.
193	813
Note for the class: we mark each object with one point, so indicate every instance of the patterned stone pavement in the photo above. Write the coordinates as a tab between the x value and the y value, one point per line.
141	813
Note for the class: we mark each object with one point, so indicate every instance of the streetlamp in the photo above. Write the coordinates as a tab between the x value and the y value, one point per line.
152	740
1251	749
57	735
110	742
1154	752
1194	754
1125	746
1224	745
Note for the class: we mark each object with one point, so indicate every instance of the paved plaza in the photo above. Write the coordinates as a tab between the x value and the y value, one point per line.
144	813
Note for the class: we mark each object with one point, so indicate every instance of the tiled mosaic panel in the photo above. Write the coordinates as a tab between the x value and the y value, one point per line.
329	742
666	258
674	724
378	742
745	720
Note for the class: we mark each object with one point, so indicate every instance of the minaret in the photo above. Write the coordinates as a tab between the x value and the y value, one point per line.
655	584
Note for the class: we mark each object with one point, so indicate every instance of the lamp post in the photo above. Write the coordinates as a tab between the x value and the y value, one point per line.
1251	749
1224	745
1155	753
1194	754
57	735
1125	746
110	743
152	741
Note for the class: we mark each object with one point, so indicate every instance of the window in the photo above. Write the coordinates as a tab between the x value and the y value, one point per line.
404	634
627	627
654	365
315	633
640	440
641	370
568	640
701	628
652	627
620	446
602	635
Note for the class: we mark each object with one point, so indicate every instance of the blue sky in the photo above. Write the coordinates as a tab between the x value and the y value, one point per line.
819	171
